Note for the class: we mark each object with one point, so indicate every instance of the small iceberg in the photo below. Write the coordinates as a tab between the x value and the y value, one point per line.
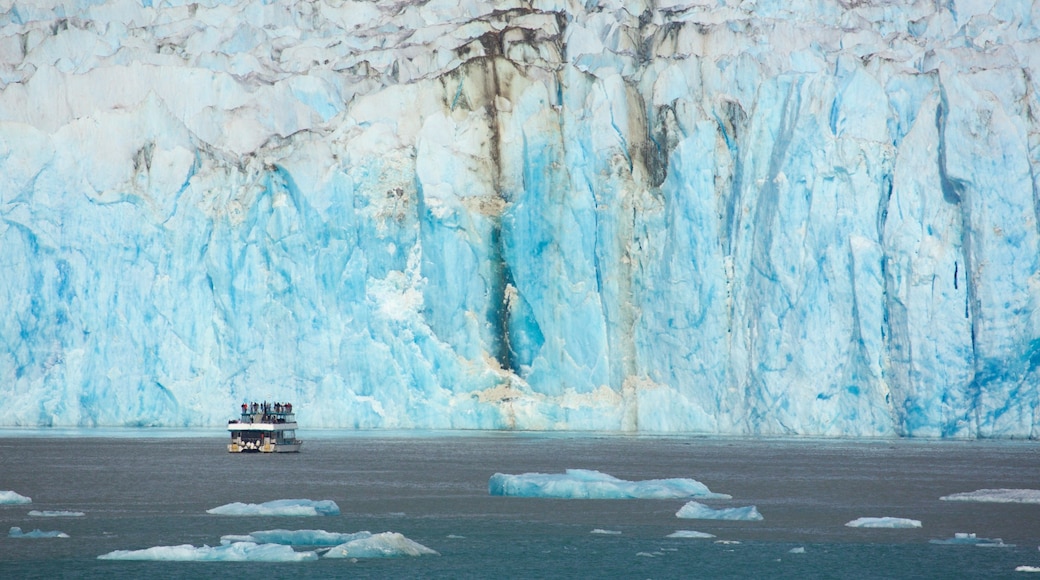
591	484
55	514
16	532
279	507
13	498
236	552
967	539
606	532
885	522
690	534
698	511
996	496
296	537
1027	569
798	550
384	545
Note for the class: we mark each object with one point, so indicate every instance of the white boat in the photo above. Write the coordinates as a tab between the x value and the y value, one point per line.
264	428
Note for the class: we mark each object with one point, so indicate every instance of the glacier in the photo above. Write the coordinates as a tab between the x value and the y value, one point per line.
766	217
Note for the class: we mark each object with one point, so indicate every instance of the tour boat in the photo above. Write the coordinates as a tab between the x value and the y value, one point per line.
264	428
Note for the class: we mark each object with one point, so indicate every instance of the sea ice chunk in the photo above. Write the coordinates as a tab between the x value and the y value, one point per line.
689	534
296	537
606	532
384	545
1027	569
279	507
884	522
55	514
591	484
10	497
996	496
698	511
236	552
967	539
16	532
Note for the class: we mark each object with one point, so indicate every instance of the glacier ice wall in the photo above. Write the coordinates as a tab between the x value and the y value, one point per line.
765	217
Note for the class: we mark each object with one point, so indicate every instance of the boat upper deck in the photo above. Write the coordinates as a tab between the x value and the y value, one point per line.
265	416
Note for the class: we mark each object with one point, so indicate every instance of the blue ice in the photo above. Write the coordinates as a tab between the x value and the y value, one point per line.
698	511
884	522
55	514
16	532
996	496
236	552
969	539
591	484
11	497
279	507
384	545
296	537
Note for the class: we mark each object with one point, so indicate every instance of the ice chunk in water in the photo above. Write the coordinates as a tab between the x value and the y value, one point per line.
689	534
606	532
996	496
967	539
55	514
698	511
591	484
279	507
885	522
236	552
296	537
16	532
10	497
384	545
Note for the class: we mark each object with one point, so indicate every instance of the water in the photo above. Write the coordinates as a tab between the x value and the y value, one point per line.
142	491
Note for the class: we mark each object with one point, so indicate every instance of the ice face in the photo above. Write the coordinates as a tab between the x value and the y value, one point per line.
16	532
755	218
14	498
883	522
280	507
996	496
698	511
384	545
236	552
296	537
590	484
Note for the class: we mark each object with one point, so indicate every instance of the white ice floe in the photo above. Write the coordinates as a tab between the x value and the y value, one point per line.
968	539
698	511
606	532
884	522
689	534
996	496
384	545
279	507
236	552
1027	569
296	537
16	532
11	497
798	550
591	484
55	514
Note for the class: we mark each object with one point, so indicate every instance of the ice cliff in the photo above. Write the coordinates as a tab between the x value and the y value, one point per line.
735	217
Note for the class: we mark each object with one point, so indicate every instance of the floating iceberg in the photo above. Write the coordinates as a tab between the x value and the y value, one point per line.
798	550
690	534
996	496
279	507
966	539
296	537
698	511
591	484
16	532
885	522
605	532
236	552
10	497
55	514
384	545
1027	569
